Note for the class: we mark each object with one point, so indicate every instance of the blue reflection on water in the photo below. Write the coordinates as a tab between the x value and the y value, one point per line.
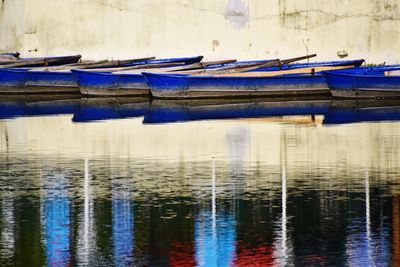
215	239
123	226
56	221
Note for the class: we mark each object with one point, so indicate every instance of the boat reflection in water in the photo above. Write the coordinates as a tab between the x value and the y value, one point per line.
164	111
208	193
37	105
94	109
351	111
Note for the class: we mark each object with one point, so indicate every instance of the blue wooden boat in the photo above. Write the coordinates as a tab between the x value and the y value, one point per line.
106	83
370	82
30	81
96	109
162	111
363	110
291	81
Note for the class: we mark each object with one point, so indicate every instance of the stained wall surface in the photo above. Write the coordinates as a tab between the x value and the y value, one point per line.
217	29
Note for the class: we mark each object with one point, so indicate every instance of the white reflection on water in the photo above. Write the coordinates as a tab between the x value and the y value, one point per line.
8	223
281	242
87	231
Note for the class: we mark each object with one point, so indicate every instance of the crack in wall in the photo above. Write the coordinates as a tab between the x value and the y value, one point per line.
320	18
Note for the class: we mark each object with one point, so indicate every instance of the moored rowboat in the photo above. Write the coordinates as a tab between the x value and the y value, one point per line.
372	82
30	81
302	81
133	82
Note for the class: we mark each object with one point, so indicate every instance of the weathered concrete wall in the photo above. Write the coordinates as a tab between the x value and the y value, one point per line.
226	28
12	22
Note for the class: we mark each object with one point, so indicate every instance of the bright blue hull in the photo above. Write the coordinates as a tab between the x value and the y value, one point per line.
46	78
363	83
171	111
12	81
23	81
181	86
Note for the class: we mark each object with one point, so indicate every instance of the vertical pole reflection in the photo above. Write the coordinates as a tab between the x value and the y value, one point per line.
284	216
368	217
215	233
7	223
56	218
213	201
282	242
86	223
123	222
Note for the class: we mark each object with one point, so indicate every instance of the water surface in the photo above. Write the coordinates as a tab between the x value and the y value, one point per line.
127	182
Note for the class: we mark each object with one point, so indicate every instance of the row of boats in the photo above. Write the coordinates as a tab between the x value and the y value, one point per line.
191	77
288	110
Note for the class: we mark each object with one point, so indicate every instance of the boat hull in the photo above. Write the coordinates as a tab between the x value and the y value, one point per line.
26	82
179	86
108	84
356	85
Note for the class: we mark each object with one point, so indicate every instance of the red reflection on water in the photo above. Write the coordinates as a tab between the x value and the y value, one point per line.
182	254
260	255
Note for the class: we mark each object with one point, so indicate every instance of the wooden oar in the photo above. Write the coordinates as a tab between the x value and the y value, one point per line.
271	63
253	66
307	70
218	62
6	59
66	67
45	61
158	68
15	55
116	63
137	67
291	60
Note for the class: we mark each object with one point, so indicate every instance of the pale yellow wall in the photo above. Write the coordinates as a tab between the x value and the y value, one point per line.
12	14
225	28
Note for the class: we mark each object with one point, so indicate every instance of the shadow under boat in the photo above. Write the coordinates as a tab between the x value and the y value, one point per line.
168	111
107	108
363	110
14	106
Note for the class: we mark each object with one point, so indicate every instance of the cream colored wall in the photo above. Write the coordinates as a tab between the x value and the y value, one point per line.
12	14
217	29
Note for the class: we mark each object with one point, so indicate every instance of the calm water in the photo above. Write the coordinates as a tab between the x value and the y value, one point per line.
123	182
